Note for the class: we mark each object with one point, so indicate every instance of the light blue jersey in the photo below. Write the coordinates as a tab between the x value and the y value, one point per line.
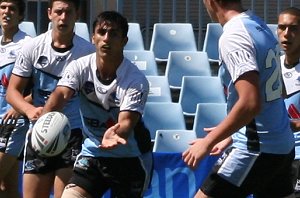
45	65
8	54
100	104
254	48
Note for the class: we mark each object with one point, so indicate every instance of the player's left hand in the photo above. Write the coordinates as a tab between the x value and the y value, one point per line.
111	139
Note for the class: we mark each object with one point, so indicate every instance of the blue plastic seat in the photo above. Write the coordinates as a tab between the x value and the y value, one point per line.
168	37
200	89
186	63
211	41
163	115
135	38
159	89
173	140
208	115
80	29
273	28
144	60
28	27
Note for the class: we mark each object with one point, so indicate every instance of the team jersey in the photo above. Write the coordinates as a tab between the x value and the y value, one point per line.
39	61
290	77
100	104
247	44
8	54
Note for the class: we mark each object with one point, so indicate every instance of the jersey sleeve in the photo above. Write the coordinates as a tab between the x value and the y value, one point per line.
23	65
71	76
237	52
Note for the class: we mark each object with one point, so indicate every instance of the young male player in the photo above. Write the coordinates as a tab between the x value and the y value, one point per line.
261	156
43	61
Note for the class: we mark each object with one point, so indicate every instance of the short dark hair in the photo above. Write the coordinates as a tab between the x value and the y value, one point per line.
20	4
75	2
291	10
112	17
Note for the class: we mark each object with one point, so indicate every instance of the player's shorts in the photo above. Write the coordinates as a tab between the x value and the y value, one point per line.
33	163
125	177
12	138
240	173
296	177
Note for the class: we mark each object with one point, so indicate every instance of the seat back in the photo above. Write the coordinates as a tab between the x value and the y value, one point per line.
168	37
159	89
186	63
163	115
80	29
144	60
211	41
135	38
173	140
208	115
273	28
28	27
200	89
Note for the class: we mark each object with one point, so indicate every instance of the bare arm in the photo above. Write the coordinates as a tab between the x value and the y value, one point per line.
58	99
119	133
16	98
244	110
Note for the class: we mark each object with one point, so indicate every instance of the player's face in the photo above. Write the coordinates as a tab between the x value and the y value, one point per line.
108	39
9	15
63	16
289	33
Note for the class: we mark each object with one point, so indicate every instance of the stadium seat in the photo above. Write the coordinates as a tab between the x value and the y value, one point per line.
135	38
81	29
186	63
273	28
211	41
168	37
163	115
144	60
208	115
173	140
28	27
200	89
159	89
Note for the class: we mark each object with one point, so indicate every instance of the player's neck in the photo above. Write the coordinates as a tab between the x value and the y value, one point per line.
62	41
291	61
8	35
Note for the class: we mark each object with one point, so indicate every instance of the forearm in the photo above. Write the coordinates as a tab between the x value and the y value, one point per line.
18	102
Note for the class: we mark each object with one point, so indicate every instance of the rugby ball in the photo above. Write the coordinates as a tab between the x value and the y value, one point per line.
50	134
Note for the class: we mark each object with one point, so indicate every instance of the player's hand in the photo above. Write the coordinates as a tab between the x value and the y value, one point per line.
196	152
221	146
111	139
295	125
34	113
11	117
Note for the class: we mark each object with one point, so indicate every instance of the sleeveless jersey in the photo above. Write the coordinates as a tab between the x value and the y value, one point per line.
45	65
100	104
247	44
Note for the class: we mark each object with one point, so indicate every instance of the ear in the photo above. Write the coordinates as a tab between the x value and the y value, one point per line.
49	10
125	40
93	38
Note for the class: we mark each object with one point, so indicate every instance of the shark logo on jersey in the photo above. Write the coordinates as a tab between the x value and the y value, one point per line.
43	61
88	87
12	54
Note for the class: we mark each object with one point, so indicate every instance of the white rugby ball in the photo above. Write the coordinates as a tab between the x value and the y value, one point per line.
50	134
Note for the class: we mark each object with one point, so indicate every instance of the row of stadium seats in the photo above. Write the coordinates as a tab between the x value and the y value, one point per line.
169	133
166	37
